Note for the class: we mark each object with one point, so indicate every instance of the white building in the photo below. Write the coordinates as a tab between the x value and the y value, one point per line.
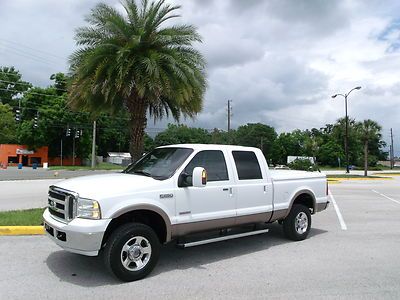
118	157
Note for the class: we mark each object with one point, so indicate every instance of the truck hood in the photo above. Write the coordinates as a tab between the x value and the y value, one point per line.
293	174
104	186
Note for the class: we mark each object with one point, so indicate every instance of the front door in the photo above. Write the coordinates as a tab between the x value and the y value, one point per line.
24	160
212	206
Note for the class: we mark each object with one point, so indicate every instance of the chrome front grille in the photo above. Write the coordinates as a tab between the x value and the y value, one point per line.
62	203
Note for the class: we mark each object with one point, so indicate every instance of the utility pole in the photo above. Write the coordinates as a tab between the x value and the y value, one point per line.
229	115
94	145
391	149
73	148
61	152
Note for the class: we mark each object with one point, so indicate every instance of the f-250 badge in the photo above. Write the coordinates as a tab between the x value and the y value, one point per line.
163	196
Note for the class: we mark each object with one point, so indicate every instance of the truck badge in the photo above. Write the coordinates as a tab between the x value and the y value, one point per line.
163	196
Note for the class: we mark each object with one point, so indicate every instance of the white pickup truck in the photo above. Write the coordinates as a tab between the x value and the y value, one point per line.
172	193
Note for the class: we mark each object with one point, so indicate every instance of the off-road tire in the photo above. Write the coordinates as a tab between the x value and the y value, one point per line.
113	251
299	215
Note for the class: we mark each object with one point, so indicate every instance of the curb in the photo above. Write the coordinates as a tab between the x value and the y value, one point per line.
386	174
357	179
21	230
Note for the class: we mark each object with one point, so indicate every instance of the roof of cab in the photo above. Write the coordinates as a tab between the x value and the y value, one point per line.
210	147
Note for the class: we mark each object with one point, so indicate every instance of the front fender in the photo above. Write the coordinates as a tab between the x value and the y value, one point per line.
143	204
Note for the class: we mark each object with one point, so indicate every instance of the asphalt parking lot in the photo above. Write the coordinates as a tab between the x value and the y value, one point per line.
356	258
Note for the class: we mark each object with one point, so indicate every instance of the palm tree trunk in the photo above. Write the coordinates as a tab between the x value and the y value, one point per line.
137	110
366	158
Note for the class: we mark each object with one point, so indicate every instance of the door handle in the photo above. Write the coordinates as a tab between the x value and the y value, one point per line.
225	189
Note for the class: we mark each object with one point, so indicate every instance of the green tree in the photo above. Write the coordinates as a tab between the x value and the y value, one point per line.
60	82
54	117
181	134
7	124
329	153
288	143
256	135
11	85
355	145
139	63
368	130
222	137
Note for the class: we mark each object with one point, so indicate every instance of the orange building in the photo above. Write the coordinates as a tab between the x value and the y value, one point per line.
15	154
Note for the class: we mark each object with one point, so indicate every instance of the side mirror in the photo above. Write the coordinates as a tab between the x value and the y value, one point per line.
199	177
184	180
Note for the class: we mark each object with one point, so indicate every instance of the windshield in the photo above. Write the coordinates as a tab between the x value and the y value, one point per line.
161	163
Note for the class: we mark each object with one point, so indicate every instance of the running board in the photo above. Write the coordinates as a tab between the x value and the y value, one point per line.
221	238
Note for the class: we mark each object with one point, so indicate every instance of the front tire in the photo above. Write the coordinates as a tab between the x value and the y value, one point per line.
297	224
132	251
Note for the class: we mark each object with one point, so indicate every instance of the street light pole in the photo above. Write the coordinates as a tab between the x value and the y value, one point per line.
346	139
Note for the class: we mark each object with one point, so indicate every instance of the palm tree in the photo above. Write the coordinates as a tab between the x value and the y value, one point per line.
368	131
135	61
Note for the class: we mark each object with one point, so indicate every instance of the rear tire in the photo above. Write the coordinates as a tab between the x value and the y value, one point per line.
132	251
297	224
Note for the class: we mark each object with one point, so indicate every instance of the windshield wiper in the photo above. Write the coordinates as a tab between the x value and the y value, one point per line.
141	172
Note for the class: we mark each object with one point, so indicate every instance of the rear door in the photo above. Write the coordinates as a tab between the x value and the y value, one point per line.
253	187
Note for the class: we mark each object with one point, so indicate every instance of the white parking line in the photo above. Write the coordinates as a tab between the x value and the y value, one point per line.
398	202
338	213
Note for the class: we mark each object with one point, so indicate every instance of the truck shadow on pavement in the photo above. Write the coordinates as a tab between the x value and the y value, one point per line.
91	272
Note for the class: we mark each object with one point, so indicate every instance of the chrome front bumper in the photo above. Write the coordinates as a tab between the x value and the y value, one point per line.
80	236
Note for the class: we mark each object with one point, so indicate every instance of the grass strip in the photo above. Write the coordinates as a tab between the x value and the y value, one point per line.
101	166
27	217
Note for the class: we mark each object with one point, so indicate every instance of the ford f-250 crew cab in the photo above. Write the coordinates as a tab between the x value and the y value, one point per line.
172	193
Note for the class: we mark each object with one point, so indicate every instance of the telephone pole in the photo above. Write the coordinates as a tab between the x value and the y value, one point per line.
229	115
73	147
391	149
94	145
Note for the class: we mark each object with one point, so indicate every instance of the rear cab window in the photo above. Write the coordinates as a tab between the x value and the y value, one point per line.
247	165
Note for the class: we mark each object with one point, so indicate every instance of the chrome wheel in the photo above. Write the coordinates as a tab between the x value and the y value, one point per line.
301	223
136	253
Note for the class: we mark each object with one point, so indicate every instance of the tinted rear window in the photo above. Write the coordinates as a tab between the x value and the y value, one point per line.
247	165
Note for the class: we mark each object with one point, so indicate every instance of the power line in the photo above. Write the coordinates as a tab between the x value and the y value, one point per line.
32	56
28	47
28	84
17	74
45	59
28	91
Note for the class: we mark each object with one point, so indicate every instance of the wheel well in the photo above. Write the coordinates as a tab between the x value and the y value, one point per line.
147	217
305	199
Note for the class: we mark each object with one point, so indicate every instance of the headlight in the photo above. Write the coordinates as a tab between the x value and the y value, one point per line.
88	209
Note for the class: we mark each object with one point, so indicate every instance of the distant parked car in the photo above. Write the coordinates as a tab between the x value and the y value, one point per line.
281	167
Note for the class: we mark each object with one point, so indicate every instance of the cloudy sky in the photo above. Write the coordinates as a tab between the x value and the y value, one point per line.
278	60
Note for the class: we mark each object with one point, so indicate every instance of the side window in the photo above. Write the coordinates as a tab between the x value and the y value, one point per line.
247	165
214	163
